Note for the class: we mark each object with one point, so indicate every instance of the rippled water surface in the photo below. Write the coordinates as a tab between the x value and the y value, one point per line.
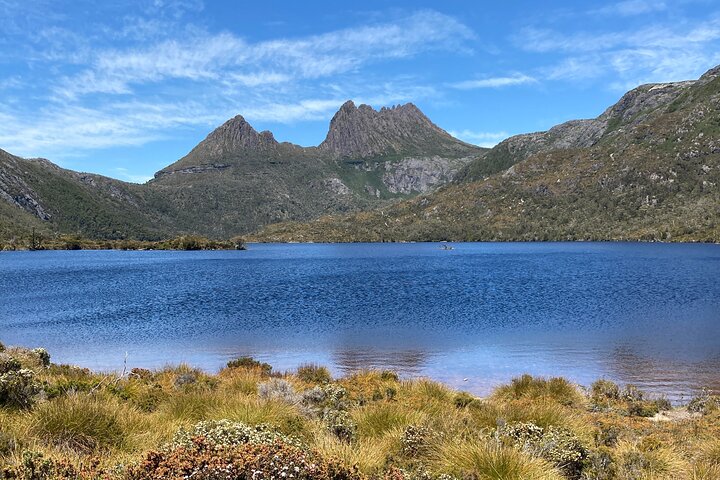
473	316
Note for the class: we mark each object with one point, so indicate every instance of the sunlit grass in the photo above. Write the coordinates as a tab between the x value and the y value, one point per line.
371	421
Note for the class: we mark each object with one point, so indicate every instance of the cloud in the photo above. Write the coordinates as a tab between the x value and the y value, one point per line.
494	82
658	53
631	7
208	57
481	139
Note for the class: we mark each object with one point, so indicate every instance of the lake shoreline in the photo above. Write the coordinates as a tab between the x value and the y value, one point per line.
370	425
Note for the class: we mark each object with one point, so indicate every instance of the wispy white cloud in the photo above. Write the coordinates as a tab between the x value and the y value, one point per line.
205	57
495	82
481	139
658	53
631	7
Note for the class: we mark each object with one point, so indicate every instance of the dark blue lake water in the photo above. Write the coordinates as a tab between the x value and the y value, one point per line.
472	317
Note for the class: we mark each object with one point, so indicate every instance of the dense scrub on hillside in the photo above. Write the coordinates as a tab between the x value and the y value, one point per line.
62	422
39	240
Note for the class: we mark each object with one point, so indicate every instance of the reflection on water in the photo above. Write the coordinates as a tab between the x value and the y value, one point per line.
473	317
407	362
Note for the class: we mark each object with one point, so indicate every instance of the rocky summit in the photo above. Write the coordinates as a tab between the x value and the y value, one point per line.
363	132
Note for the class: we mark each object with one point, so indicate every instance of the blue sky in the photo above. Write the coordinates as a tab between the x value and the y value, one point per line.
124	89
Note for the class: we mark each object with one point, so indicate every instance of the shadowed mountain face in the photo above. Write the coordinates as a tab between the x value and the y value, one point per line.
238	180
648	168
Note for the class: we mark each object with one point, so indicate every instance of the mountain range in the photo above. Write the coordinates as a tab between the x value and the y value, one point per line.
646	169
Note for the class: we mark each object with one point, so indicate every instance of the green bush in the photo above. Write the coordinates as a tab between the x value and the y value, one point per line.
557	445
464	399
2	347
604	390
18	388
8	363
340	424
704	403
42	355
34	466
415	440
250	363
310	373
228	434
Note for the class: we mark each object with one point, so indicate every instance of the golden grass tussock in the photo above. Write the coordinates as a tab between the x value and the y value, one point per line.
375	420
84	423
370	455
488	461
252	410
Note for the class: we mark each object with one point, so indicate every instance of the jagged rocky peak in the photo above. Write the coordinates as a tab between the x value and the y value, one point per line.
362	131
236	134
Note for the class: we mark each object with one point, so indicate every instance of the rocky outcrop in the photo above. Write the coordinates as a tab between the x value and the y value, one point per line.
14	189
421	174
192	169
634	108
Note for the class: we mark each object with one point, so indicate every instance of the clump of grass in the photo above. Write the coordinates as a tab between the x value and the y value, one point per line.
541	412
81	423
634	461
369	455
252	411
188	407
314	374
376	419
486	461
528	387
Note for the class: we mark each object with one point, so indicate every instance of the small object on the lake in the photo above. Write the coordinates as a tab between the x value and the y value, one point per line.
464	379
446	246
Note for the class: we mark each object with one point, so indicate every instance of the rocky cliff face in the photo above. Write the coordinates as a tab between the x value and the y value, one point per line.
420	175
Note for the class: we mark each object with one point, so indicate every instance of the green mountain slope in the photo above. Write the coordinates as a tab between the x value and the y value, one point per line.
648	168
38	194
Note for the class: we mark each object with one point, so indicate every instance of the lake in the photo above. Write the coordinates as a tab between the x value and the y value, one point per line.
472	317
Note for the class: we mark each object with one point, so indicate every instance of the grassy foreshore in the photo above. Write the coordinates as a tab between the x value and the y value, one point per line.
60	421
